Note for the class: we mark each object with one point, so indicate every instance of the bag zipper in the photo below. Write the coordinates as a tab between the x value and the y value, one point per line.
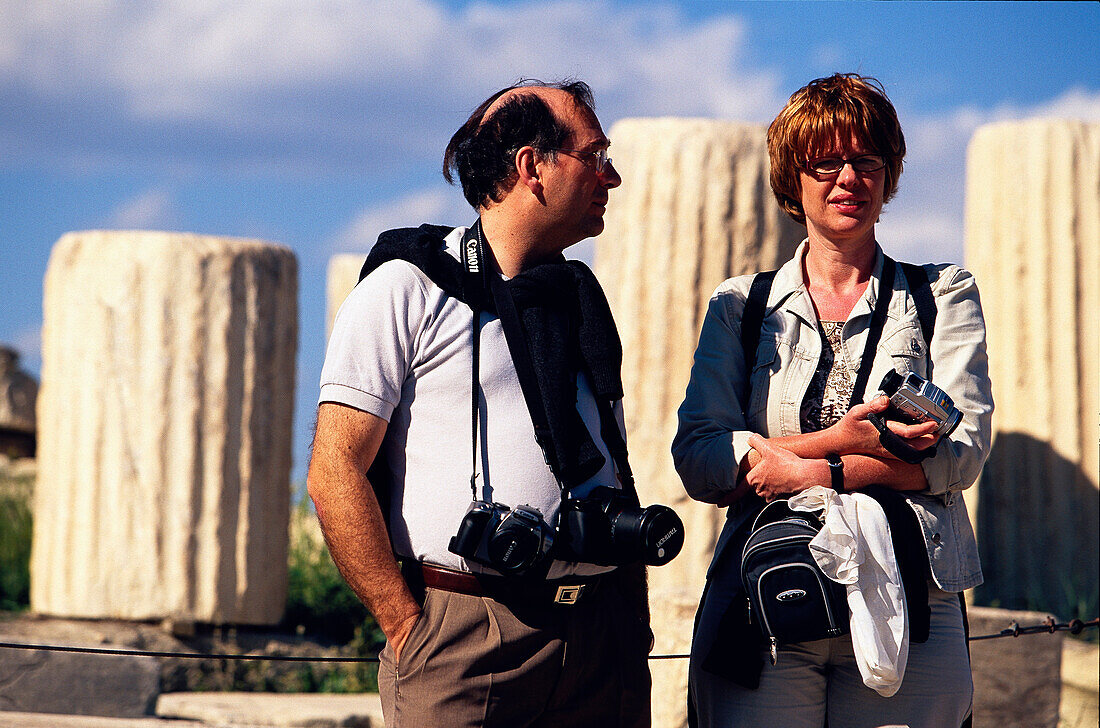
774	642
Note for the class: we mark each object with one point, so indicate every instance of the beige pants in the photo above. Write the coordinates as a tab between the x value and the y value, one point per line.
812	680
472	661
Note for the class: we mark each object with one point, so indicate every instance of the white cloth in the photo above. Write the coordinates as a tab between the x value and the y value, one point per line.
853	548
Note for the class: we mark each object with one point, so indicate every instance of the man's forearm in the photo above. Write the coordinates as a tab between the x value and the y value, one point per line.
359	545
358	541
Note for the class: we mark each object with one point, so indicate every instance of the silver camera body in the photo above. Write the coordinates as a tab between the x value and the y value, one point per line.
913	399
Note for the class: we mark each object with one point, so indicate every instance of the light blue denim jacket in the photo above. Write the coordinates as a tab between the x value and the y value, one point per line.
715	424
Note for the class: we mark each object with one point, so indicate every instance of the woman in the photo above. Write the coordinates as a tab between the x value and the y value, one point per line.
764	426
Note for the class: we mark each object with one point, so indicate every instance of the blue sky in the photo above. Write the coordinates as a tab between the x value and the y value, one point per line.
318	123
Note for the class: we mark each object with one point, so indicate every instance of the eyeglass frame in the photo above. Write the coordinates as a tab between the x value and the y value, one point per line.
808	166
597	154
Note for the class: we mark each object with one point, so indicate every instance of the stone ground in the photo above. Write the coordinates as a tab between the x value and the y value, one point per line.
46	689
226	710
41	689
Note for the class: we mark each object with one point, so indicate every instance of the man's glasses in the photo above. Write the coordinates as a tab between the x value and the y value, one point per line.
832	165
600	156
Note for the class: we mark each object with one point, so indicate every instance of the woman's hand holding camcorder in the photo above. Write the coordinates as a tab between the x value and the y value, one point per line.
857	433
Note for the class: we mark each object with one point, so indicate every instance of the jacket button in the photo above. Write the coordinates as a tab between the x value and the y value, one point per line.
936	539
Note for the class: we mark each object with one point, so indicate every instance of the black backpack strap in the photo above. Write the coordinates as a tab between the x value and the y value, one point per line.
920	287
753	316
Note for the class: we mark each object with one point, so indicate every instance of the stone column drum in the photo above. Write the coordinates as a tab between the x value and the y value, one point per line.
165	428
1033	243
695	208
343	275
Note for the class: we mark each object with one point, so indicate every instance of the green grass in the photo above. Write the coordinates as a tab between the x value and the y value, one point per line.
15	540
320	604
318	600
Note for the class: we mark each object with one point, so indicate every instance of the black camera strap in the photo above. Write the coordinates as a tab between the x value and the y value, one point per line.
874	332
481	276
474	283
753	317
616	446
896	445
755	309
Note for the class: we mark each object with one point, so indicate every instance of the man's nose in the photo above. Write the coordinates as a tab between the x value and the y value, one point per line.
609	176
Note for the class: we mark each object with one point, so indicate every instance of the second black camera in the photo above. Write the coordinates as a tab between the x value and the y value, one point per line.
609	528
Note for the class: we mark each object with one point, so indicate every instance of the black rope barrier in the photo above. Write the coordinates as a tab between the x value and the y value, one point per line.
1074	626
184	655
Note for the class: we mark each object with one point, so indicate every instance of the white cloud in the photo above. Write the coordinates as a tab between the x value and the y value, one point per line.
151	210
192	57
646	59
343	82
436	206
1076	103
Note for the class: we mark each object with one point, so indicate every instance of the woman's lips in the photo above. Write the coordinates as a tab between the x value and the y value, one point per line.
846	203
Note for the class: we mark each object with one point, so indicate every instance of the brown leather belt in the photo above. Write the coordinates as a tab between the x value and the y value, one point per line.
558	592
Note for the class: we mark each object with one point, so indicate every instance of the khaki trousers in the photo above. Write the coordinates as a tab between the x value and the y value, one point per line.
812	680
473	661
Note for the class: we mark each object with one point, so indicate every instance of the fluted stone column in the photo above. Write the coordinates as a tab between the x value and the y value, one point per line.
343	274
694	208
1033	242
165	428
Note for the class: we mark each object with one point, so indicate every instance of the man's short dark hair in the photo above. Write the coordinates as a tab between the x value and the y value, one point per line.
482	151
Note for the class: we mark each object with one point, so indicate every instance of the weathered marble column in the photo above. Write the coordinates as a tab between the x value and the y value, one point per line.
343	274
694	209
1033	242
165	427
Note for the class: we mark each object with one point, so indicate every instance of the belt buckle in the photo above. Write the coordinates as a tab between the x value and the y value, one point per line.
568	594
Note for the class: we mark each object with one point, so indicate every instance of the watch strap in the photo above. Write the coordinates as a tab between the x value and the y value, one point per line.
836	472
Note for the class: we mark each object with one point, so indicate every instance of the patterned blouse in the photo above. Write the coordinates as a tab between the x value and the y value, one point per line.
830	390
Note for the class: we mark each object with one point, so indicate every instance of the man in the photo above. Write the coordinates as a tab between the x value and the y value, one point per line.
475	639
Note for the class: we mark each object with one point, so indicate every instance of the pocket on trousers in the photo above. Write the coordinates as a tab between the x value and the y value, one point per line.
415	642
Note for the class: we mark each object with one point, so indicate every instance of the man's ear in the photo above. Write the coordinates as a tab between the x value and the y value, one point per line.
527	167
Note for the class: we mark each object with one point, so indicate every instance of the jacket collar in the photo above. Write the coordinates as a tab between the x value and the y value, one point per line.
789	290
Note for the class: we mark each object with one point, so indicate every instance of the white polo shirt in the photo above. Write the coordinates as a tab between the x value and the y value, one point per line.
401	349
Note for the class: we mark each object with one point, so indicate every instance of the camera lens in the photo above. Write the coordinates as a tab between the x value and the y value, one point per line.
655	533
511	548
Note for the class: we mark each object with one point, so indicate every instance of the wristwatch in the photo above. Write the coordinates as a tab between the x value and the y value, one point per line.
836	472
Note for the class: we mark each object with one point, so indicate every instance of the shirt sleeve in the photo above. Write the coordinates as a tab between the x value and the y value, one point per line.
371	349
960	367
712	436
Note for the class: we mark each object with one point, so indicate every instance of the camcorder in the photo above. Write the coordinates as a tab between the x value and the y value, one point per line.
607	527
914	400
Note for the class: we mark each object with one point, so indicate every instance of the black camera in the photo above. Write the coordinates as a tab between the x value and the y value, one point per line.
514	541
914	400
609	528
